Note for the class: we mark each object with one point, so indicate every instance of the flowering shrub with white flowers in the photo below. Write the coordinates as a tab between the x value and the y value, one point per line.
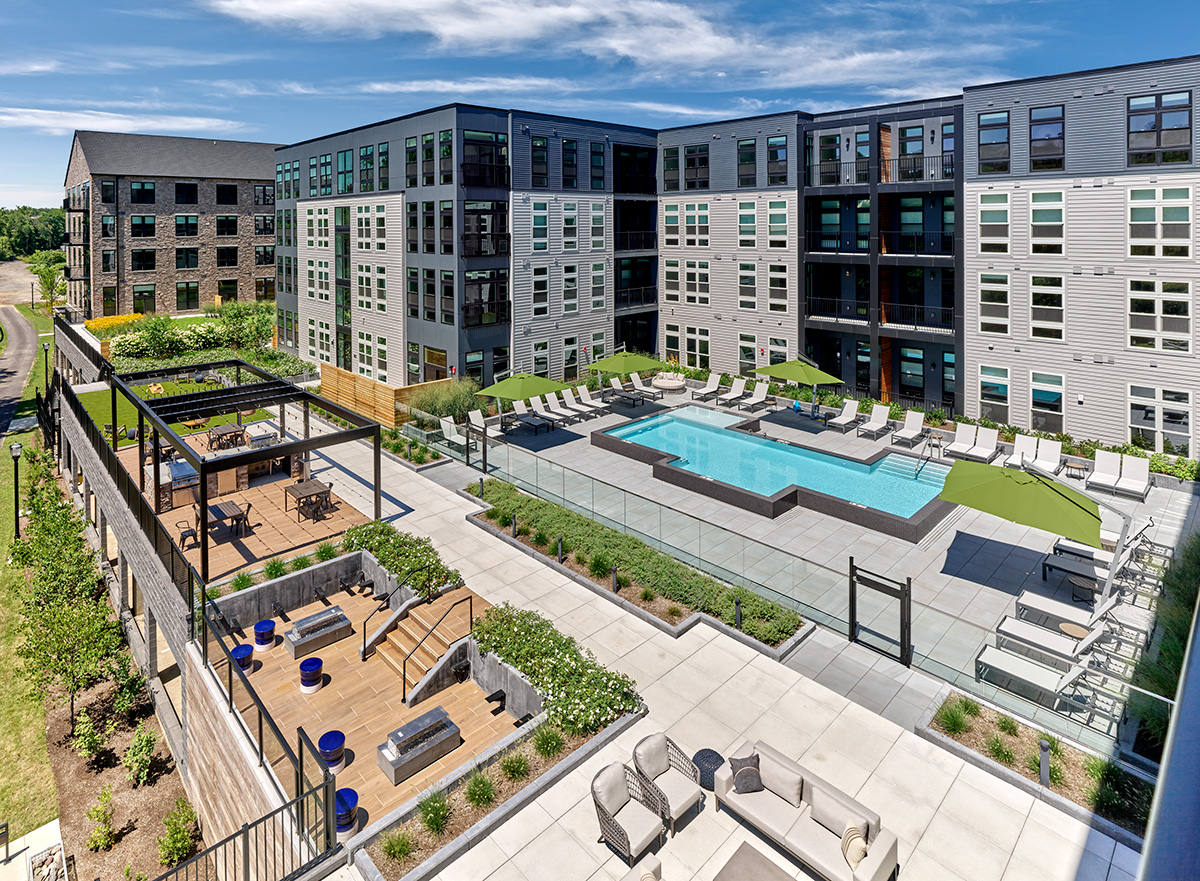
400	553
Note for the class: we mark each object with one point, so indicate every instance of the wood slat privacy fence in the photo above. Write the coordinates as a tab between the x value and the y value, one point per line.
374	399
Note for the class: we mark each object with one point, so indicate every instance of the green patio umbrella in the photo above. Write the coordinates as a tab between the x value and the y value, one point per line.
799	373
1025	498
522	386
626	362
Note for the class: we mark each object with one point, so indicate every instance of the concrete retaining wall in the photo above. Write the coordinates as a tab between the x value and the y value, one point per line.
291	591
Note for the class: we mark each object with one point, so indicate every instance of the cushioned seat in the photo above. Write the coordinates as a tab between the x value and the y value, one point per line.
822	851
640	823
765	809
664	766
681	792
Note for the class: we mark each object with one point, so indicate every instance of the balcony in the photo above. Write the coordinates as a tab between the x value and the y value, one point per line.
482	174
913	169
835	241
936	318
634	184
485	314
636	241
829	174
636	298
485	244
921	241
836	309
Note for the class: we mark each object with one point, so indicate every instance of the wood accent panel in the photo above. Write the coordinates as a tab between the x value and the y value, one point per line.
885	153
373	399
885	369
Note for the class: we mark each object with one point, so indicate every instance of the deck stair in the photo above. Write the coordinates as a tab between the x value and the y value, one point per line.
420	621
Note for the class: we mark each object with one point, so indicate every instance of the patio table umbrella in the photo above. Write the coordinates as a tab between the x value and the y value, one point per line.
626	362
521	387
799	373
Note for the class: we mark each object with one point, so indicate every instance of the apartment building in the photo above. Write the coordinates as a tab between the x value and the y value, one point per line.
167	225
1080	253
518	241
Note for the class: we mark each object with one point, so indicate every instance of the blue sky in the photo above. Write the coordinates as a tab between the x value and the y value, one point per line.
286	70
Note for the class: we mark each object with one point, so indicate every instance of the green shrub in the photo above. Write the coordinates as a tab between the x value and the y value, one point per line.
1007	725
241	581
647	595
540	539
102	836
274	568
129	874
435	811
130	691
503	520
895	411
479	791
419	455
514	766
454	399
212	593
326	550
139	756
599	567
400	553
523	530
1056	747
396	844
1105	799
952	718
936	416
548	741
581	558
622	581
970	706
674	611
179	842
90	740
998	751
301	562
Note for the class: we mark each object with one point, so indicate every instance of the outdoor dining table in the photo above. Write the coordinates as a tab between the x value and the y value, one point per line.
305	489
219	511
228	435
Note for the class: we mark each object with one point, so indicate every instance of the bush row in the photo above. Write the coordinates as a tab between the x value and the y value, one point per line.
400	553
272	360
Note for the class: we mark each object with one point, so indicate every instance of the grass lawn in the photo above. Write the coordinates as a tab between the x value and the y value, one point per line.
99	407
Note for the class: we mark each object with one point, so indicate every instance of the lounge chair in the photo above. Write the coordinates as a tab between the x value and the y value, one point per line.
663	766
623	393
878	423
1024	676
913	430
845	419
736	392
1135	477
480	424
451	433
628	810
1051	613
1099	555
1107	472
585	407
1024	450
964	440
758	398
542	408
565	407
532	420
711	389
1049	455
986	446
1095	571
648	392
585	398
1047	646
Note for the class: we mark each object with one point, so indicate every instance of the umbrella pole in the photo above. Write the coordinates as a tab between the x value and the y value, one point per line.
814	401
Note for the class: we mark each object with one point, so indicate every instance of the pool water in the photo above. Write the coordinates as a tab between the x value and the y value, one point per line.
697	437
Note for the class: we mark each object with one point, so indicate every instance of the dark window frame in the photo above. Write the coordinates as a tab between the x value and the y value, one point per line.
187	296
222	194
747	162
187	196
225	259
1159	152
1047	158
142	226
138	190
777	161
143	260
670	169
228	223
570	169
190	225
997	163
598	152
539	162
695	166
188	257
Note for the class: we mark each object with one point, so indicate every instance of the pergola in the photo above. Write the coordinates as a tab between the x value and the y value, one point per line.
265	391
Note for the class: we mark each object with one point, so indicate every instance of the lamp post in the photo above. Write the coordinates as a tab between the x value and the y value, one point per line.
15	449
46	365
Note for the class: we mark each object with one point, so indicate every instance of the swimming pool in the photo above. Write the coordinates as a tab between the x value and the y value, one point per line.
699	439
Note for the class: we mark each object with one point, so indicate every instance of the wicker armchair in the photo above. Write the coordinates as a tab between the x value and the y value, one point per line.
667	772
629	812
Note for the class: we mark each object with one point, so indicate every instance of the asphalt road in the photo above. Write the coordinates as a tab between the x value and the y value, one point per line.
15	362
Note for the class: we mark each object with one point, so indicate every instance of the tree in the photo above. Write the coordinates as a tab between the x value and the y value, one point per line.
51	284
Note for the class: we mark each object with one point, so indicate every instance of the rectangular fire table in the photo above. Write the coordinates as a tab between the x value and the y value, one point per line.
417	745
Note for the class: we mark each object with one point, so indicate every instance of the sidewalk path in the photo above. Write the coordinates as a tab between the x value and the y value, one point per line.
16	361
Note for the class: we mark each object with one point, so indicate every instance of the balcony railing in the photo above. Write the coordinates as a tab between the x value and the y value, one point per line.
827	174
921	241
927	317
909	169
485	244
482	174
842	242
636	241
836	309
487	313
634	298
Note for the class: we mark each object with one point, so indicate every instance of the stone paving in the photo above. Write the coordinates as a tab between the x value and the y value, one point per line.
706	690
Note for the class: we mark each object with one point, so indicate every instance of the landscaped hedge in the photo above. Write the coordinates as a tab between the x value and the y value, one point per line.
272	360
762	619
400	553
579	695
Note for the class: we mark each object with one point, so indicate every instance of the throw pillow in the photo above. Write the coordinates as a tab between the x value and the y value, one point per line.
854	848
746	777
647	875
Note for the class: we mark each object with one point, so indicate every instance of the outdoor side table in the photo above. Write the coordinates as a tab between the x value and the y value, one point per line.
1075	631
346	808
1080	583
708	761
244	655
264	635
332	747
1077	470
311	675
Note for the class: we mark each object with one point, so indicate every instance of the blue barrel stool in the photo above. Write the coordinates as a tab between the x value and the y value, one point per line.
310	675
346	805
264	635
244	655
332	747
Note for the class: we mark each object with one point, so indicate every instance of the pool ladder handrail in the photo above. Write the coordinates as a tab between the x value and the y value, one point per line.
926	457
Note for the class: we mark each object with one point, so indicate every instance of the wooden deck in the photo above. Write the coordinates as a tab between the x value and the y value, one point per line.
362	700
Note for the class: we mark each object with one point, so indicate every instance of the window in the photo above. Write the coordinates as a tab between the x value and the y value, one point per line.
912	372
993	394
777	166
1047	146
1160	419
141	192
1160	315
500	358
777	287
109	296
1160	222
411	228
381	230
264	255
366	168
345	171
227	224
187	295
541	291
264	194
541	359
671	281
428	231
1046	307
427	160
108	261
187	194
993	303
747	286
539	158
264	224
695	167
747	163
570	346
1160	129
671	342
428	295
108	191
410	162
447	301
747	353
696	225
597	166
187	258
384	178
414	293
777	225
570	164
227	257
912	149
746	224
541	227
227	194
570	294
142	260
598	298
108	226
446	226
1046	402
187	225
327	175
670	169
570	226
695	279
671	224
696	347
1046	229
829	154
597	225
993	223
446	157
143	298
141	226
776	350
862	156
993	142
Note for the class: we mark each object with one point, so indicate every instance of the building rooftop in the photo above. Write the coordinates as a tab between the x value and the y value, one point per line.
162	156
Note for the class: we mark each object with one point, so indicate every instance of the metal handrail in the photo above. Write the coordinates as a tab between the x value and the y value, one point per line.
469	598
383	600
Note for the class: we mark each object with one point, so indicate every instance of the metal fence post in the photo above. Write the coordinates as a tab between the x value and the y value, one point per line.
852	615
514	526
560	549
614	579
245	852
737	612
1045	763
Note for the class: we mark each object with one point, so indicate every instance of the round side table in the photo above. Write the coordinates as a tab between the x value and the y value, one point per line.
346	807
244	655
708	761
311	675
1075	631
332	747
1077	470
264	635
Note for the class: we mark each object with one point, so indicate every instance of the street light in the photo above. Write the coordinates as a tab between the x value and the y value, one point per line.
15	449
46	365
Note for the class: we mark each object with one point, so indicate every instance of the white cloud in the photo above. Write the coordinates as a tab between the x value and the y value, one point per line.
15	195
507	85
64	122
27	68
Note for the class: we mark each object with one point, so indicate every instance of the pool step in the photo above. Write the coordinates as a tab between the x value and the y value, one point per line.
906	467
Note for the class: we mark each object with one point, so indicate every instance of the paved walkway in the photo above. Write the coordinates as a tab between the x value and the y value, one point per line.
21	849
707	690
15	362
